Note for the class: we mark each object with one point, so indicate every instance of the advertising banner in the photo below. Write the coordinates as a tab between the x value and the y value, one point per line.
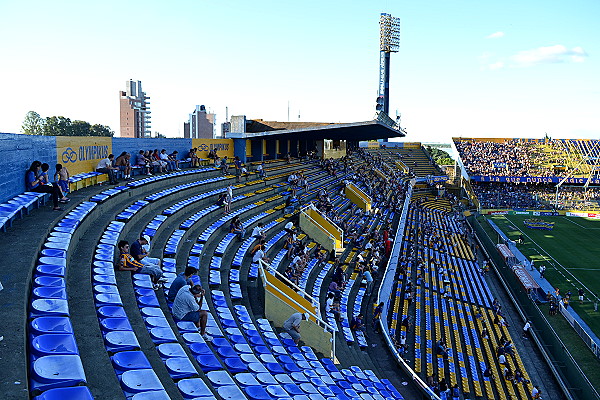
224	147
532	179
81	153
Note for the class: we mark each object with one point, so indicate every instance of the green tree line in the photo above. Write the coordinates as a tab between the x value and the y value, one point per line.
34	124
440	156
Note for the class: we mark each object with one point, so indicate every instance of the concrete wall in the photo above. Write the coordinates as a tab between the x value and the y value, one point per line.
82	153
18	152
133	146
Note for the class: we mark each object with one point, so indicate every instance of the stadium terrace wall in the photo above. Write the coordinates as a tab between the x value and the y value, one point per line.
82	153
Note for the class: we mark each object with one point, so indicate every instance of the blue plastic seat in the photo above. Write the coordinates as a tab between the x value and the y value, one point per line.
265	378
56	371
53	251
111	312
284	378
152	395
49	307
49	281
180	368
220	378
50	344
140	380
169	350
116	341
162	335
106	289
129	360
257	393
50	292
231	392
69	393
235	365
246	379
105	279
194	388
43	325
50	270
208	362
115	324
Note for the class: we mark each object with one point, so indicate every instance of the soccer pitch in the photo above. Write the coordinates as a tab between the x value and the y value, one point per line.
570	252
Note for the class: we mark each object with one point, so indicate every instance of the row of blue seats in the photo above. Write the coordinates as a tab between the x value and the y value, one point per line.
19	206
53	353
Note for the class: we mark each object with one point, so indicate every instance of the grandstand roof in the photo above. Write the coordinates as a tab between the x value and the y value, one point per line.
356	131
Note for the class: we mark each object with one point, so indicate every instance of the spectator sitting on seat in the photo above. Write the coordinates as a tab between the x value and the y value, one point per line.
167	162
331	306
222	200
61	178
105	167
193	157
237	227
173	157
224	165
128	263
123	163
356	324
258	246
260	255
33	183
441	348
156	162
292	325
180	281
142	162
261	170
46	181
139	250
259	231
245	173
189	305
334	288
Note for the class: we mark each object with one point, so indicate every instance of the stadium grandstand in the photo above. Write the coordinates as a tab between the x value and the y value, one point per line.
368	246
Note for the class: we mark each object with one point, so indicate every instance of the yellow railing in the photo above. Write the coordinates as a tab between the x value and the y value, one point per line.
357	196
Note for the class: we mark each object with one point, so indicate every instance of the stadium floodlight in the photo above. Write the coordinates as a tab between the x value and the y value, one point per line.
389	42
389	33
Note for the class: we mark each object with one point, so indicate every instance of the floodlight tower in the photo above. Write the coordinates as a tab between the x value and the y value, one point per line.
389	42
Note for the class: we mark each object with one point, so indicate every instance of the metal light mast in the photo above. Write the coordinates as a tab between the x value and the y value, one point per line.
389	42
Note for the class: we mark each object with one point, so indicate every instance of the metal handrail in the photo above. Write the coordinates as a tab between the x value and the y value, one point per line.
262	266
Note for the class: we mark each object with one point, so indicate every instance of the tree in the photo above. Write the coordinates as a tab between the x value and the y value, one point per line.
80	128
440	156
33	124
58	126
101	130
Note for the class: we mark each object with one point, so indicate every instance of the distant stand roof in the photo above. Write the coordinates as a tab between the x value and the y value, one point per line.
380	128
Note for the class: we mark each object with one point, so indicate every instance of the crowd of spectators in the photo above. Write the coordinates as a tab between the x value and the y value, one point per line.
535	196
512	158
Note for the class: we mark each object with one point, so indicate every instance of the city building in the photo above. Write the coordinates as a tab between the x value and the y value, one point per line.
201	124
135	111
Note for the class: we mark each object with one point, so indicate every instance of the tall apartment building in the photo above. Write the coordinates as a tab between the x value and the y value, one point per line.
201	124
135	111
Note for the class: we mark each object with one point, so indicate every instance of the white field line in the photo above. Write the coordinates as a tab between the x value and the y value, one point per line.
557	263
581	226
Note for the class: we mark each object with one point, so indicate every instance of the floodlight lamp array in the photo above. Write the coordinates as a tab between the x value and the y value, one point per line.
389	33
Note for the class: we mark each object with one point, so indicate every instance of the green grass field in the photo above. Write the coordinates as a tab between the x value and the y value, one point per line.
570	252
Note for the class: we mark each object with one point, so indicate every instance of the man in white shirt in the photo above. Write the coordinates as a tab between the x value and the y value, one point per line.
289	227
189	305
260	255
258	231
105	167
332	307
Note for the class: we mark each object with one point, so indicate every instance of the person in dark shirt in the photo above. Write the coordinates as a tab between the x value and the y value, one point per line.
182	279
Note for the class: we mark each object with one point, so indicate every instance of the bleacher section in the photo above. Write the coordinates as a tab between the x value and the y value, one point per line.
247	357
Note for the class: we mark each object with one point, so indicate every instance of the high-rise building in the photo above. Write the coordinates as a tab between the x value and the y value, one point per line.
135	111
201	124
